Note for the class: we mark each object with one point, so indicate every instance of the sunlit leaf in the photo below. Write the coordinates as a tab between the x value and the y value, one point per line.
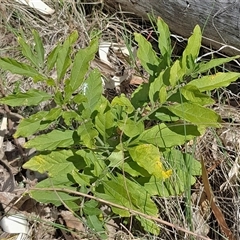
31	125
148	157
196	114
210	82
192	94
191	52
129	194
165	136
55	163
124	102
130	127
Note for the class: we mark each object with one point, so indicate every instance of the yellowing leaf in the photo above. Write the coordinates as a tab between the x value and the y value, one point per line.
148	157
159	171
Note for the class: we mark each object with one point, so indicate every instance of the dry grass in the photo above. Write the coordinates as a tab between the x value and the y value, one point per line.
220	153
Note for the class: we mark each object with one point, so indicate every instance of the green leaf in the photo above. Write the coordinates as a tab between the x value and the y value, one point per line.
161	188
196	114
178	182
81	178
166	136
140	96
79	98
149	225
204	67
130	127
91	208
47	162
56	198
52	140
87	134
154	88
92	90
157	84
96	225
52	197
116	159
127	193
133	168
30	98
163	95
103	122
52	57
27	127
211	82
81	64
191	52
69	116
164	115
94	161
183	162
192	94
53	114
176	73
31	125
148	157
55	163
164	40
28	52
124	102
146	54
18	68
58	98
63	58
39	49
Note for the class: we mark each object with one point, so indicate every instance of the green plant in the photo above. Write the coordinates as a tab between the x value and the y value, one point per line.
117	151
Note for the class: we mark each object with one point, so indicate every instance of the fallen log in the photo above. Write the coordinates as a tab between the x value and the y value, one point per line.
219	19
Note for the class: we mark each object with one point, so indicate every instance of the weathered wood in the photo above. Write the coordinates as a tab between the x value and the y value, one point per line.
219	19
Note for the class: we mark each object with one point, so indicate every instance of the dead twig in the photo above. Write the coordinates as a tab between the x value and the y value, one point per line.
134	212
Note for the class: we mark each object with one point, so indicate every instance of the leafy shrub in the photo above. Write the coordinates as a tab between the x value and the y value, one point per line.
124	151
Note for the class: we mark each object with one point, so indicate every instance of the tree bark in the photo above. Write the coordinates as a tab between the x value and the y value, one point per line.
219	19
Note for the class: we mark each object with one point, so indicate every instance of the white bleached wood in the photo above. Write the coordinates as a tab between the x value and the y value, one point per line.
38	5
219	19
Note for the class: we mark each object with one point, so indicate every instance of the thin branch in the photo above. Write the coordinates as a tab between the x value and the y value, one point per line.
134	212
